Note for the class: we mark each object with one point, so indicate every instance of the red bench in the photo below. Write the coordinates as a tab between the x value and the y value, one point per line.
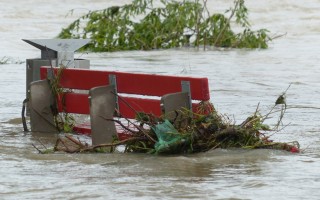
127	89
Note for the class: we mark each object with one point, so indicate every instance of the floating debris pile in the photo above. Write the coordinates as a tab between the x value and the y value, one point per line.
188	132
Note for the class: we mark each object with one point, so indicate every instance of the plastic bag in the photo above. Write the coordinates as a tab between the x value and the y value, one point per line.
169	139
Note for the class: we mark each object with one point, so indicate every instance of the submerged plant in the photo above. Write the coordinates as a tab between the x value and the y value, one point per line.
143	26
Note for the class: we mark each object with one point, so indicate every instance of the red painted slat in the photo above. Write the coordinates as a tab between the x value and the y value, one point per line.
131	83
79	103
83	129
151	106
74	103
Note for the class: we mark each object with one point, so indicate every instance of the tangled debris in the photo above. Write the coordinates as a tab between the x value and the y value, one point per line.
189	132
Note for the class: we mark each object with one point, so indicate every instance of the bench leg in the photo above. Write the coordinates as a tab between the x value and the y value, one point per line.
41	117
102	108
172	104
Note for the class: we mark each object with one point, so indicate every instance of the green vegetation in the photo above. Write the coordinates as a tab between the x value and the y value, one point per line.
143	26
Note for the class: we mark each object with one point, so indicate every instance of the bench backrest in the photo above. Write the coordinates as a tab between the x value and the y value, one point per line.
126	83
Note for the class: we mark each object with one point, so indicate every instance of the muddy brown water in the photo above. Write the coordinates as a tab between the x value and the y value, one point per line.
239	80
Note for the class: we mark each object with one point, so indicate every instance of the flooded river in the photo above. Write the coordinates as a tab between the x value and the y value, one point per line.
239	80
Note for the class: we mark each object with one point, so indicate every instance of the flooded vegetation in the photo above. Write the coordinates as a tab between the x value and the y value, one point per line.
170	24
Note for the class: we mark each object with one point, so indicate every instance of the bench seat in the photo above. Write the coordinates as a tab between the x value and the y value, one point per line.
132	93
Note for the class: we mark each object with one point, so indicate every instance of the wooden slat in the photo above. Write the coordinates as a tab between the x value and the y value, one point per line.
74	103
85	129
131	83
130	105
79	104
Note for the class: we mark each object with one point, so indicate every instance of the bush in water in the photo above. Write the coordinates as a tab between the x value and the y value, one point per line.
143	26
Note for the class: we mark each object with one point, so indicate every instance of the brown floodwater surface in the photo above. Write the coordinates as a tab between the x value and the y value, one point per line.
239	80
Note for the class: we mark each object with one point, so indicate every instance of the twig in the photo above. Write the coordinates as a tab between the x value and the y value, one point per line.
138	127
75	141
42	144
205	7
124	101
112	144
41	152
228	21
276	131
243	124
283	110
287	88
122	125
64	144
276	37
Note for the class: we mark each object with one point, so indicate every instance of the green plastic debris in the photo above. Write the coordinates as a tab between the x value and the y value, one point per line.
169	139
